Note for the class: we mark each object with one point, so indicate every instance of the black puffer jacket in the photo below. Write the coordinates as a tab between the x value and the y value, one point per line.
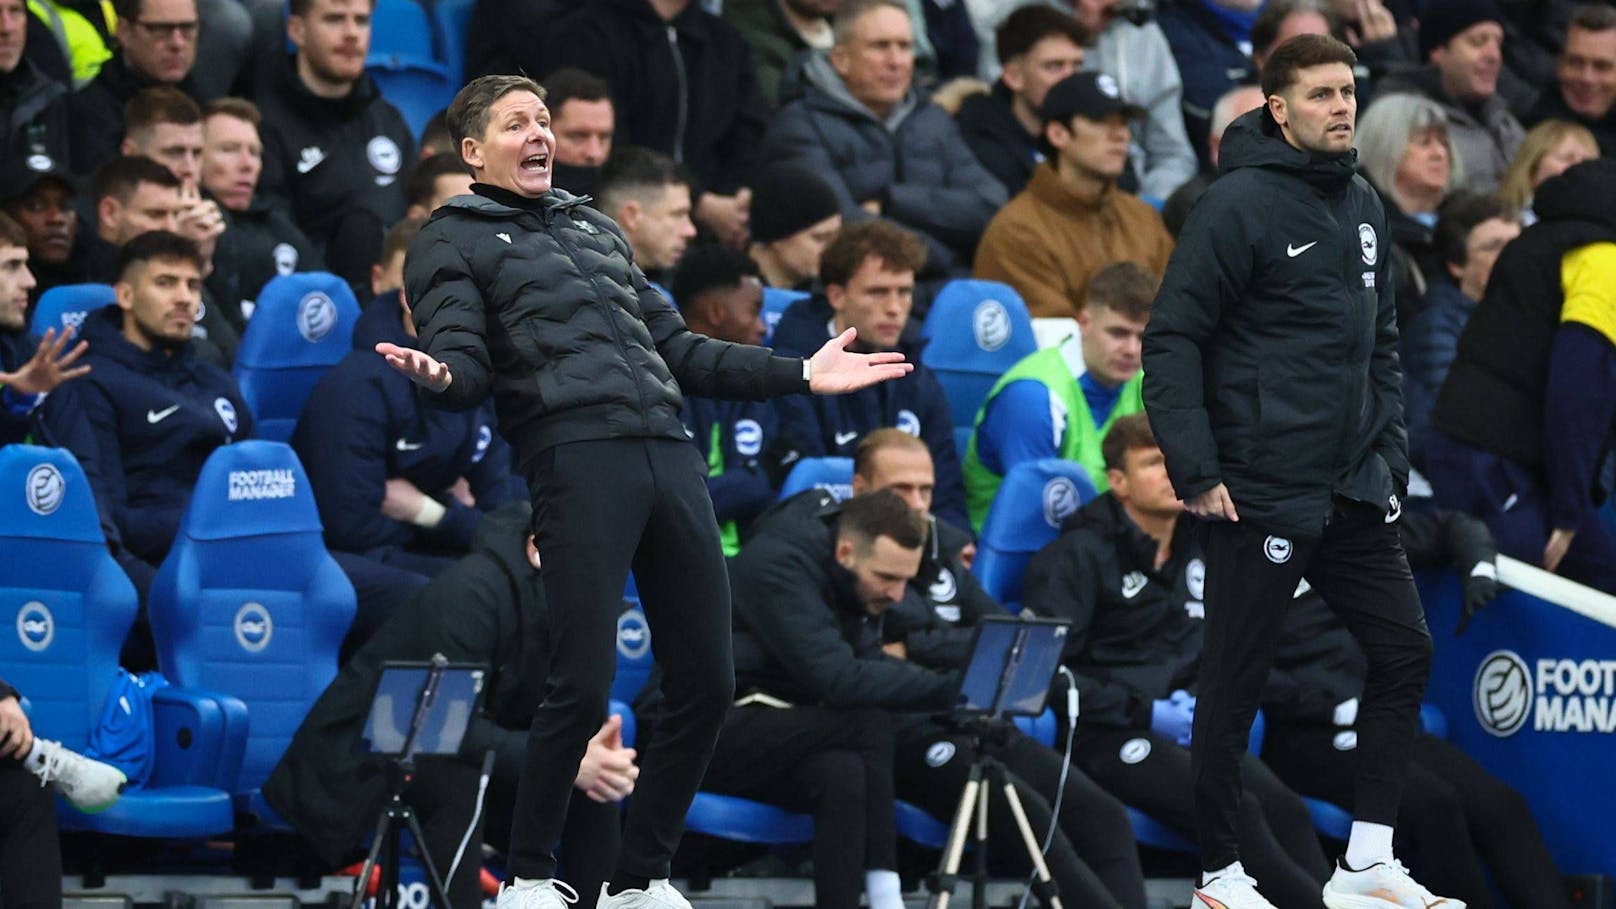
539	300
1271	355
1136	628
801	633
33	122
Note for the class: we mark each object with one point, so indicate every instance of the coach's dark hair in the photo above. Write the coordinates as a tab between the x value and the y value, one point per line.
158	244
302	7
1265	29
159	104
1458	215
631	172
12	233
711	266
1127	434
1029	25
237	108
570	83
899	249
883	513
468	112
423	179
1123	287
119	177
1299	53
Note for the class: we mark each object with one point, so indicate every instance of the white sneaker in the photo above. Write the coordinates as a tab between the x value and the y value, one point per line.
88	785
659	895
1230	890
545	894
1383	885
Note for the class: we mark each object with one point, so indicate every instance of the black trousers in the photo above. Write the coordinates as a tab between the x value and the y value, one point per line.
1092	856
836	764
30	851
1456	818
445	795
1358	566
1152	773
599	509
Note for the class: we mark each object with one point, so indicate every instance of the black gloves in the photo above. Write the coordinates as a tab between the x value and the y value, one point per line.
1480	587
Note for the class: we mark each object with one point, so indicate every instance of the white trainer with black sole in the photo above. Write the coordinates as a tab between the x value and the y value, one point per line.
87	784
659	895
1383	885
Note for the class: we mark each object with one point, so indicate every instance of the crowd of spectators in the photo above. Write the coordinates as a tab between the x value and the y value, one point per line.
861	152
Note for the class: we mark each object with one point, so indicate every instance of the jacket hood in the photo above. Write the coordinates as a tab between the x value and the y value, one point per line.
103	329
381	321
326	110
1582	193
1104	517
821	75
1254	140
502	533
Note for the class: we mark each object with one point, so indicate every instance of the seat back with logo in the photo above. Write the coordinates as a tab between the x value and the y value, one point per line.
1026	515
67	304
248	602
634	659
775	303
975	331
835	475
65	605
302	325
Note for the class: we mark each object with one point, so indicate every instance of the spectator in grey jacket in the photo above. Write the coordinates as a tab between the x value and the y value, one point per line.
884	148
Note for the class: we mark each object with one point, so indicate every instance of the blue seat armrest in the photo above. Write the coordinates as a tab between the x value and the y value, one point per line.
200	737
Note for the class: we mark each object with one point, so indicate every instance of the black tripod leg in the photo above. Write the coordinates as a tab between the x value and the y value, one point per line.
439	894
370	864
1044	886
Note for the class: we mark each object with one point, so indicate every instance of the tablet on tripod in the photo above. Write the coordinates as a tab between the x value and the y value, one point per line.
434	702
1013	661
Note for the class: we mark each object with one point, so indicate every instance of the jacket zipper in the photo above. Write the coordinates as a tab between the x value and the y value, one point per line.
611	318
684	95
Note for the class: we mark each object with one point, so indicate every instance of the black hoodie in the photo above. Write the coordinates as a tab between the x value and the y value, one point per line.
1271	355
33	122
1136	628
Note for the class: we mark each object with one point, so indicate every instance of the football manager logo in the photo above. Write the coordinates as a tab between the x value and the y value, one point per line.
316	316
1060	500
44	489
991	324
1503	693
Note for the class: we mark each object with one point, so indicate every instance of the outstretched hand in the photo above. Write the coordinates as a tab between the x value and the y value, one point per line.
419	366
50	366
836	370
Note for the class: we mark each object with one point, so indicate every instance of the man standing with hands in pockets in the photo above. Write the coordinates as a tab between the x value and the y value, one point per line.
522	290
1272	382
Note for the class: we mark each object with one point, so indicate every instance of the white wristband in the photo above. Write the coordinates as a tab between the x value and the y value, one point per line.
1485	570
807	371
431	513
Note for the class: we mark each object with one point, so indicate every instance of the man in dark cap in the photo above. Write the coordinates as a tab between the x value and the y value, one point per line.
795	215
1463	44
1071	220
42	202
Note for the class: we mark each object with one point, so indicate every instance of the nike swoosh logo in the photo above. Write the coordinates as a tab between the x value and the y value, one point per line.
1294	251
505	237
158	416
402	445
842	438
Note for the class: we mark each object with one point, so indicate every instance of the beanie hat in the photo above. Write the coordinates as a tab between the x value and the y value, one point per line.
787	199
1443	19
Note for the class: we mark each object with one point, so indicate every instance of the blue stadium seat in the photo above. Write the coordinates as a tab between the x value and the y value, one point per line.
418	85
401	27
67	304
775	303
1334	821
920	828
745	821
451	21
1026	514
975	331
832	474
248	601
302	326
630	724
71	607
634	658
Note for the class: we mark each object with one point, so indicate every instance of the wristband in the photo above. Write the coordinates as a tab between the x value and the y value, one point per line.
807	371
1485	570
431	513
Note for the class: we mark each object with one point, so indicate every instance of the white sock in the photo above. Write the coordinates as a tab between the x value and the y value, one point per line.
1208	876
1368	844
527	883
36	757
884	889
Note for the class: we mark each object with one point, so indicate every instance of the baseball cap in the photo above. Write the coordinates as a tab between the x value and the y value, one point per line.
20	174
1093	96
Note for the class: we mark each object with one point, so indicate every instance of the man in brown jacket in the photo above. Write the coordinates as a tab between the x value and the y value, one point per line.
1071	220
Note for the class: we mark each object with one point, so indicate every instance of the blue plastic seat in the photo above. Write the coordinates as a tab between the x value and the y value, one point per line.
975	331
401	27
248	601
775	303
418	85
745	821
67	304
920	828
451	21
834	475
1026	515
1334	821
301	327
634	657
71	607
